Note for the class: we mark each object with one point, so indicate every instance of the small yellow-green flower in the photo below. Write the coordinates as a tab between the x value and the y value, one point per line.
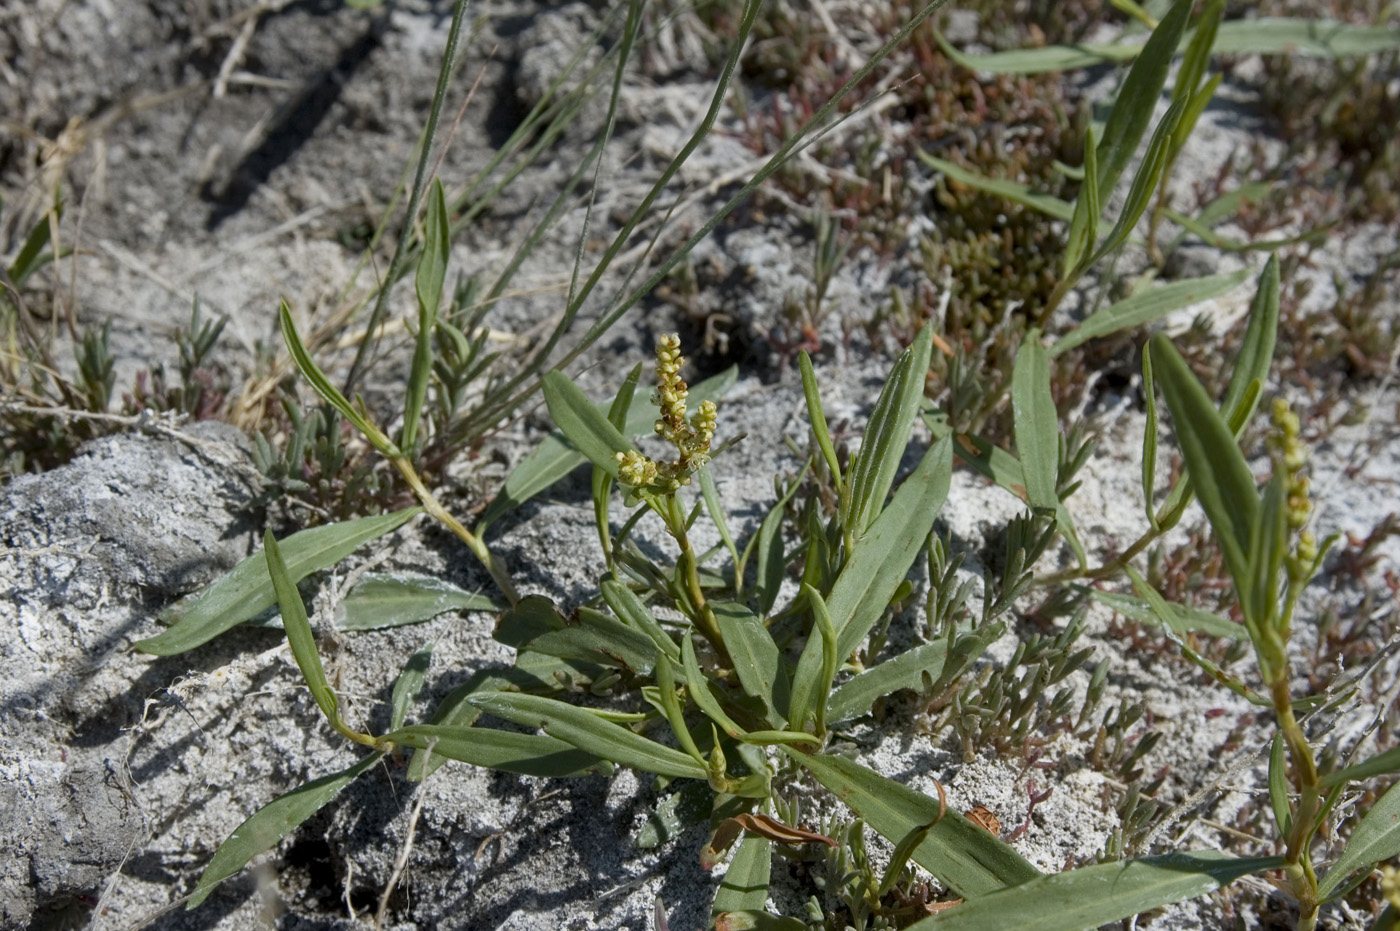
1290	454
690	436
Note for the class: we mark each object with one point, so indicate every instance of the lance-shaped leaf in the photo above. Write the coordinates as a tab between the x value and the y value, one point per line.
1380	765
1084	226
1016	193
1095	895
394	599
1219	475
247	589
630	609
698	687
300	637
1257	349
1132	109
882	558
1278	786
1150	170
816	415
768	547
1149	305
887	434
313	374
588	732
274	821
586	427
958	852
432	271
1036	421
916	669
755	657
408	685
745	883
535	624
1181	618
527	754
556	456
1375	839
811	685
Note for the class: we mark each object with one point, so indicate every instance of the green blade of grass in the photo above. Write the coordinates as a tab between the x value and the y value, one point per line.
408	685
1375	839
1036	422
1220	476
1149	305
432	270
1095	895
526	754
247	590
959	853
268	825
381	600
590	733
1016	193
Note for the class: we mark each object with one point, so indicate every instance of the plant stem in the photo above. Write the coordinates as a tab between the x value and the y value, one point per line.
442	515
688	572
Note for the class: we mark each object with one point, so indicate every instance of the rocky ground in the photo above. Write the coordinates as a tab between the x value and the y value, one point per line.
237	153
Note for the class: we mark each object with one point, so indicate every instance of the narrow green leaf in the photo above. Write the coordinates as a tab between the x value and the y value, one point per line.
1037	423
1181	619
1196	227
384	599
913	669
247	589
1380	765
755	657
745	883
1141	191
274	821
816	414
1017	193
408	685
674	814
526	754
1191	114
1084	225
811	685
1196	58
312	373
716	512
887	434
1132	110
1257	350
1268	547
669	704
432	270
769	545
900	857
1314	38
882	558
588	732
584	425
1149	305
1149	443
627	606
535	624
31	255
1219	474
1095	895
1375	839
1278	786
698	687
300	637
959	853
